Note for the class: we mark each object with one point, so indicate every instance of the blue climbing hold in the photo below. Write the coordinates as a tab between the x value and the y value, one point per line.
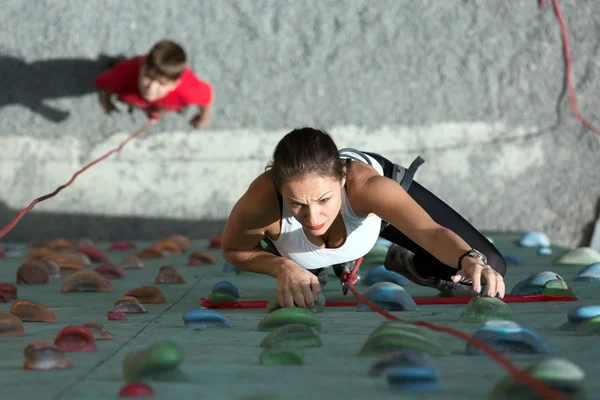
388	296
534	239
201	318
227	287
381	274
512	259
508	337
544	251
579	314
413	379
227	267
535	283
403	358
591	273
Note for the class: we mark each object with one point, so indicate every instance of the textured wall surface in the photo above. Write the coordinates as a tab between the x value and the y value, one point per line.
477	88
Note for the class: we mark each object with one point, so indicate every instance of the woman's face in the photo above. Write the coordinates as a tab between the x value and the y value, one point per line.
314	201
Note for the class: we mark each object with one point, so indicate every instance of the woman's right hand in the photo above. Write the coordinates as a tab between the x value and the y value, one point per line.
297	286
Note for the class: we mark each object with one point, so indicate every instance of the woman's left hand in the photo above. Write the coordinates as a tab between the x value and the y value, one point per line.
472	270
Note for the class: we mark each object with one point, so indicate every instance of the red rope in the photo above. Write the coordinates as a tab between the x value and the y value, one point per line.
569	67
538	386
7	228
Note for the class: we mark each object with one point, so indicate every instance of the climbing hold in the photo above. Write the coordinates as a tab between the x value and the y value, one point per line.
413	379
381	274
159	361
589	327
136	389
481	309
122	246
167	247
168	274
534	239
286	316
8	290
222	297
376	255
404	358
147	294
579	256
94	254
227	267
86	281
98	331
184	242
557	287
513	259
150	253
75	339
559	374
388	296
579	314
292	336
116	316
534	284
110	271
30	311
11	325
318	307
68	263
491	240
544	251
132	262
53	269
43	355
391	336
215	243
204	256
32	272
508	337
226	286
280	357
201	318
591	273
129	304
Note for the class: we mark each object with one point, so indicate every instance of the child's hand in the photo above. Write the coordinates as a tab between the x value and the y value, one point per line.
107	105
199	120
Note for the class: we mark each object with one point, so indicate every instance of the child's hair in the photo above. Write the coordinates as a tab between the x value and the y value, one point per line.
166	58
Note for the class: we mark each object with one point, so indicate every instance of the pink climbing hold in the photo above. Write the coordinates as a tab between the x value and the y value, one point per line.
116	316
215	243
136	389
122	246
94	254
194	261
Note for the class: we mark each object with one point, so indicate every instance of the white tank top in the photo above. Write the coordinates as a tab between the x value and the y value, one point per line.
361	233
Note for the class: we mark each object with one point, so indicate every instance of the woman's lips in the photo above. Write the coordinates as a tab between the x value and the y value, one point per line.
317	227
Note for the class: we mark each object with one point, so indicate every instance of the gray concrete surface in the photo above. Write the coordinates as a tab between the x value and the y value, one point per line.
477	88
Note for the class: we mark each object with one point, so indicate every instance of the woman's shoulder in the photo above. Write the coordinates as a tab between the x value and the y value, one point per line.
260	202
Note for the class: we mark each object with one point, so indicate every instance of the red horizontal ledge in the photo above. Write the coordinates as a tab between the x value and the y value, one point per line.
509	298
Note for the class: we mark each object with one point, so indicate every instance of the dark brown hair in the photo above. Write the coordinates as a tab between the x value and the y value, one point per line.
305	151
166	58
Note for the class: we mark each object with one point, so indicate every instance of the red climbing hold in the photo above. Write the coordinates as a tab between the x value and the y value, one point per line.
136	389
8	290
215	243
122	246
94	254
75	339
116	316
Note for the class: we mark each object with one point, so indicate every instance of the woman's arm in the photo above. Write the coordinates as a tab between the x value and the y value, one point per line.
247	225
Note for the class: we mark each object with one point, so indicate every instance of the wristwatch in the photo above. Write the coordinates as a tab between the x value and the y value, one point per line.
471	253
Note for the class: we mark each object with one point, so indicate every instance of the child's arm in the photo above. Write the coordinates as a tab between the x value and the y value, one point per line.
106	102
114	81
202	117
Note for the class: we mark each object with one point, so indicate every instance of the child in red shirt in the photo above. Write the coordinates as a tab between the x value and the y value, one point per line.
157	82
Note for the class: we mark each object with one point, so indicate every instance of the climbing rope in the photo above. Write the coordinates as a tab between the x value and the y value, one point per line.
7	228
350	278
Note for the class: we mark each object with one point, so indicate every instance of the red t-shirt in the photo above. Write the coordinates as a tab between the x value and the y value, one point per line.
122	80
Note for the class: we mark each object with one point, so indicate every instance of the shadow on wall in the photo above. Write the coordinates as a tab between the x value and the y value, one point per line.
588	230
39	226
31	83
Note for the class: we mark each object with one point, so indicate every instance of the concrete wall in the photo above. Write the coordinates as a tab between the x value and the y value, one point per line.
477	88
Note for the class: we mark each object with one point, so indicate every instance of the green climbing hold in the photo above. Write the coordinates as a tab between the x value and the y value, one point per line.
159	361
589	327
393	336
280	357
319	306
482	309
376	255
287	316
490	239
579	256
292	336
222	297
559	374
556	287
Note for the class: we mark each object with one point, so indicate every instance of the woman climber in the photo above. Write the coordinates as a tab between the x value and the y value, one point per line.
319	207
